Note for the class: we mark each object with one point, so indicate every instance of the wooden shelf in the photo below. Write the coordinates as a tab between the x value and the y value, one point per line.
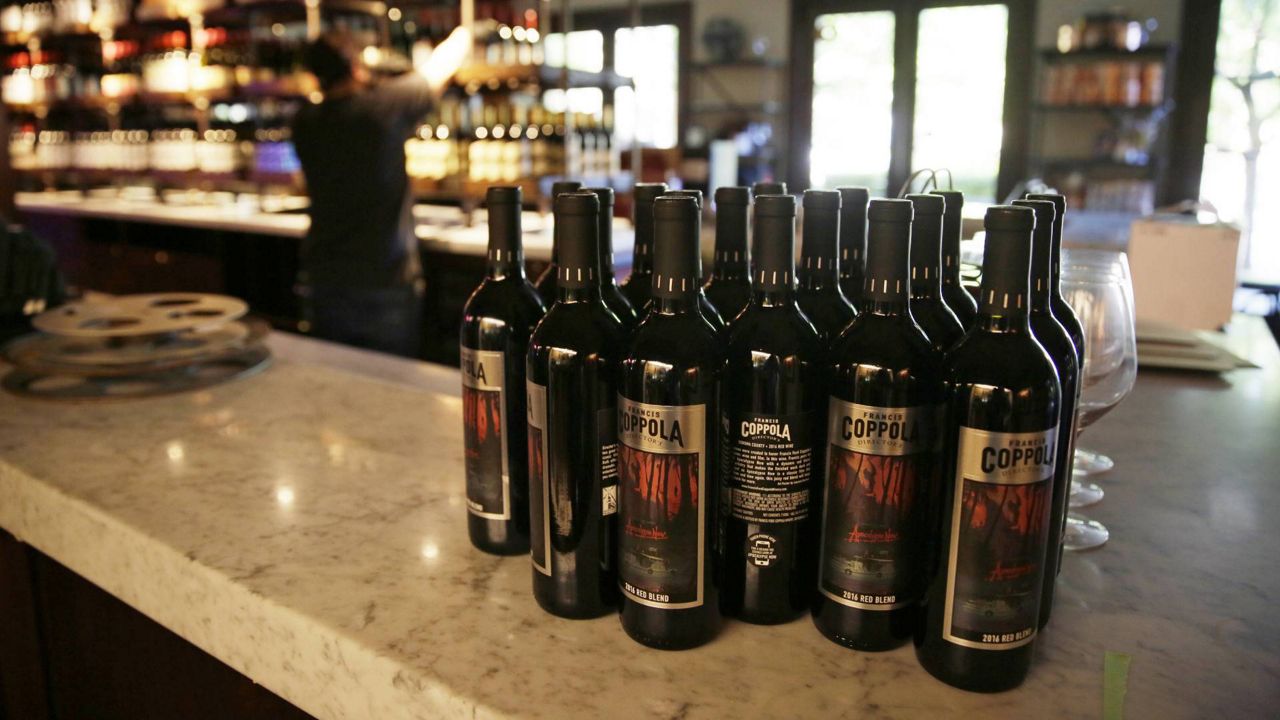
742	64
1146	52
1098	108
495	77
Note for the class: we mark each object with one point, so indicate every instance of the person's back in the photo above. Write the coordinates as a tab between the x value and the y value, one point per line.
352	152
359	258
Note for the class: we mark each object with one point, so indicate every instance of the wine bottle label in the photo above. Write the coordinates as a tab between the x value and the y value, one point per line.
607	433
999	534
484	425
539	474
880	465
663	515
769	463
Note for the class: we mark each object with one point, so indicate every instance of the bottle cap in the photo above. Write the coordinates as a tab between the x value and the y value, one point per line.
774	253
677	256
1006	259
736	195
695	194
853	225
564	186
576	216
1041	242
888	250
926	204
775	205
890	210
926	239
769	188
504	206
642	215
821	229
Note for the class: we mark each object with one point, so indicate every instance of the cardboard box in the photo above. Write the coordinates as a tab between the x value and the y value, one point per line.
1184	271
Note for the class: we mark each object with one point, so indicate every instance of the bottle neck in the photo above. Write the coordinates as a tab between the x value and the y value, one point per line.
816	273
676	304
504	264
642	256
776	296
889	307
582	293
1041	288
730	262
926	282
1016	322
951	256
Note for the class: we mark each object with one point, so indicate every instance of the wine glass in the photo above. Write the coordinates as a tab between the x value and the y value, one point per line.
1091	462
1101	293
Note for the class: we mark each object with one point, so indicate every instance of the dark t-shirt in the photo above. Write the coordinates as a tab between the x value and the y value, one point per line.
352	153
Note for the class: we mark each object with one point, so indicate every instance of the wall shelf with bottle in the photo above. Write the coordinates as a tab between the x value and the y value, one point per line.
1098	130
100	90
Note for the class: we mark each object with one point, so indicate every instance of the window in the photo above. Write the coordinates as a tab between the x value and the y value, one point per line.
890	87
960	95
852	100
1241	159
648	113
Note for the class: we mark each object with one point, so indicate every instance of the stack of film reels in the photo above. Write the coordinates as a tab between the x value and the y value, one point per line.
133	346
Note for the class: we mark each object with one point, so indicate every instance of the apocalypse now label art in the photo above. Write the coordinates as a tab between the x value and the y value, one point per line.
880	465
484	424
662	497
999	534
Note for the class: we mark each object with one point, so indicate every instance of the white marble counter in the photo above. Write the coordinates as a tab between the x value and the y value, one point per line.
439	228
306	526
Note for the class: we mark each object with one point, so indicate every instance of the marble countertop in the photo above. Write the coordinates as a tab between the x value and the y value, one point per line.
439	228
306	526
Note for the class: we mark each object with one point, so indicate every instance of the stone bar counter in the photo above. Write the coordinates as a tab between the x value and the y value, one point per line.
306	527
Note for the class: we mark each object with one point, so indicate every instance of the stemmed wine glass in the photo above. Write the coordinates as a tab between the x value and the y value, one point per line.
1101	293
1088	462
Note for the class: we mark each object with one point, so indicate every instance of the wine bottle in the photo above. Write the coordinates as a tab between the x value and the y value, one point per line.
573	434
729	287
1057	343
853	241
933	316
819	295
613	297
546	283
999	446
883	431
769	188
667	465
637	285
1066	316
496	323
708	310
771	396
953	292
1058	305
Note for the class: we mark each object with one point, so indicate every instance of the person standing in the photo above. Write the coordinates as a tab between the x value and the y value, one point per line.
361	277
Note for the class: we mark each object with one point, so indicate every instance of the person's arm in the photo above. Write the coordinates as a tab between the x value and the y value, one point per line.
414	93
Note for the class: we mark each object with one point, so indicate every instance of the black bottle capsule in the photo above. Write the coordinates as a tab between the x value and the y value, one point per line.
729	286
818	293
931	313
637	285
546	283
953	292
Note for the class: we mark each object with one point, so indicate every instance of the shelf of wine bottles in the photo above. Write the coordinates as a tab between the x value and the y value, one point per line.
97	94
